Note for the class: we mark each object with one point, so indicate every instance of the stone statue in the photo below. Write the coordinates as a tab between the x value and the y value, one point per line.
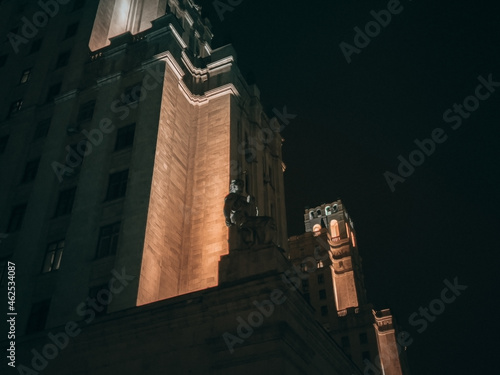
241	214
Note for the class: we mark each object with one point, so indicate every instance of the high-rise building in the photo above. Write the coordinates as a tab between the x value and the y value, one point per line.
327	268
121	130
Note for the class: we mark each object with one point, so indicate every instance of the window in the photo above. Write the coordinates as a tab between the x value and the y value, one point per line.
305	285
345	342
86	112
117	185
53	256
334	230
71	30
54	90
38	316
108	240
15	107
363	338
35	46
3	143
132	94
125	137
30	171
321	278
65	202
16	218
322	294
324	310
62	59
42	129
25	76
3	60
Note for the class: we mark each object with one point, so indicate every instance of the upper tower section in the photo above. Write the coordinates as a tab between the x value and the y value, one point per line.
115	17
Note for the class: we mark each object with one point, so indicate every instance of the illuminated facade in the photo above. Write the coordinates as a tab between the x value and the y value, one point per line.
328	265
145	126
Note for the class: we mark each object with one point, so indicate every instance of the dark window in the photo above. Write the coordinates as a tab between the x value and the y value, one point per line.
3	60
38	316
305	285
16	218
53	256
42	129
62	59
321	278
35	46
86	112
101	296
65	202
71	30
125	137
132	94
117	185
365	355
324	310
78	4
108	240
363	338
3	143
345	342
15	107
322	294
25	76
54	90
30	171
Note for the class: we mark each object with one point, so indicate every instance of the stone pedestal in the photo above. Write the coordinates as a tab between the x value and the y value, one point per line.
245	263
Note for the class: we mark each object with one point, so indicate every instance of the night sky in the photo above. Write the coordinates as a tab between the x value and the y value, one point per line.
352	122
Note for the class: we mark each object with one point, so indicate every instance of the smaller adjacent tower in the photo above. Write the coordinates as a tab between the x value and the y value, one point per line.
328	263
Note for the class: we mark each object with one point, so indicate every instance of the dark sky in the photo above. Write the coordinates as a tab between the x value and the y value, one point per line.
354	120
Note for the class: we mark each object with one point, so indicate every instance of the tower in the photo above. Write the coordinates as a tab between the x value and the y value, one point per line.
121	129
328	265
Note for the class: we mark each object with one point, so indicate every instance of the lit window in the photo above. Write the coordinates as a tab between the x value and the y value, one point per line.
71	30
16	218
117	185
42	129
65	202
25	76
86	112
108	240
15	107
62	59
322	294
38	316
30	171
320	264
125	137
53	256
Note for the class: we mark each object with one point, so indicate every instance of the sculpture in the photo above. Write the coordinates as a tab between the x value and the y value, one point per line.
241	213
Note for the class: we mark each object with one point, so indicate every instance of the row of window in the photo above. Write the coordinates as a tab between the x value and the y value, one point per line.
117	187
